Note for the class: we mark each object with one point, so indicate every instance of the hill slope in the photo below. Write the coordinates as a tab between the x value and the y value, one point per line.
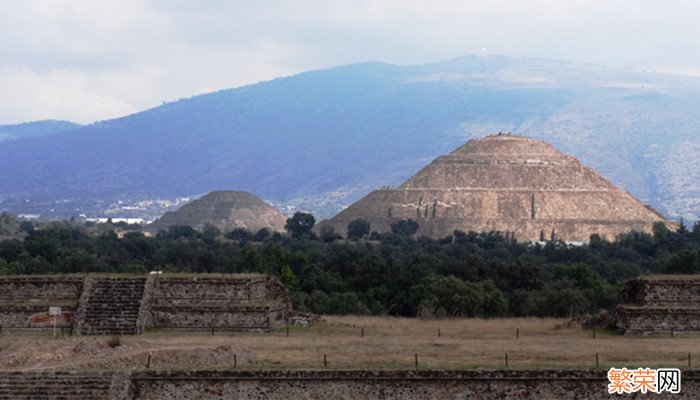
320	140
35	128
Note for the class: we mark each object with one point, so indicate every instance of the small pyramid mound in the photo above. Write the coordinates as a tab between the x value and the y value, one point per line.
226	210
505	183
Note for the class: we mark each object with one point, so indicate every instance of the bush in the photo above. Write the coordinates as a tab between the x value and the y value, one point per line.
357	229
300	224
405	227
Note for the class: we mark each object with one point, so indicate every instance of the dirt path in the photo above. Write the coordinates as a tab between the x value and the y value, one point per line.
79	353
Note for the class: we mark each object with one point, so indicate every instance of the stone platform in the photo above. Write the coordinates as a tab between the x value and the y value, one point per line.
108	305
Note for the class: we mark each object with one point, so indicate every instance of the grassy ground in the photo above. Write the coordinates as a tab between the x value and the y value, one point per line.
465	343
393	343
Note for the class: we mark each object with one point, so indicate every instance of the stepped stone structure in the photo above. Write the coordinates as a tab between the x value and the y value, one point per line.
664	304
226	210
506	183
103	305
56	385
110	306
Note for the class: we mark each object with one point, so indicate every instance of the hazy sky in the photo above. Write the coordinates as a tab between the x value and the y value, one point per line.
87	60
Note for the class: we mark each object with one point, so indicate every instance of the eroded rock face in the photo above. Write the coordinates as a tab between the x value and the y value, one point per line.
505	183
226	210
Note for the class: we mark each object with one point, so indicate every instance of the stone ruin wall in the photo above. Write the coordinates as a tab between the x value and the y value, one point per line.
227	302
255	303
25	300
660	305
645	321
326	384
662	292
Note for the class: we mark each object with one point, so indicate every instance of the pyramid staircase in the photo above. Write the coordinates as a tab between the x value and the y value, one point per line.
111	307
54	385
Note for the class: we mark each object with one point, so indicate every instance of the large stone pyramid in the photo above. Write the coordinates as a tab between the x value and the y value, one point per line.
505	183
225	210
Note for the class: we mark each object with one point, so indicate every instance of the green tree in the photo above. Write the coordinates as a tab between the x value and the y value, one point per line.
328	234
210	232
660	231
405	227
300	224
178	231
358	228
262	234
450	296
683	262
26	226
4	267
239	234
287	276
8	224
695	235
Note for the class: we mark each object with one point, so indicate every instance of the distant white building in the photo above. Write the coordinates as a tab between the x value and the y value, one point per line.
103	220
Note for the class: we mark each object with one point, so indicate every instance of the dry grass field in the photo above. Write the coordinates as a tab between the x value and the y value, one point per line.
387	343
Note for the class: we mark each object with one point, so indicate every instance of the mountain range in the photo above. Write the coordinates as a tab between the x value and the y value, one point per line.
35	128
319	140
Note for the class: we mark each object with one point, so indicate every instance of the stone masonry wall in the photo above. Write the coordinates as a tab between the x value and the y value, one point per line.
28	287
661	292
660	320
655	305
25	300
228	302
319	384
405	385
208	290
225	302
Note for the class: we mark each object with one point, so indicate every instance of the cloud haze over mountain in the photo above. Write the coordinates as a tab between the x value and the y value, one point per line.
83	60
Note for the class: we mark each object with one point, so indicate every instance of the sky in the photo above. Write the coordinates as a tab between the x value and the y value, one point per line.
87	60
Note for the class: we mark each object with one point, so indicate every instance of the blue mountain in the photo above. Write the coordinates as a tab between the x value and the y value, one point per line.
35	128
319	140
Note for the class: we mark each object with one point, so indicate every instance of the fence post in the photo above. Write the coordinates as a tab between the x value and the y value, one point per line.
212	330
325	360
439	333
596	360
148	362
517	333
690	364
362	332
671	333
235	360
506	359
415	356
593	333
287	330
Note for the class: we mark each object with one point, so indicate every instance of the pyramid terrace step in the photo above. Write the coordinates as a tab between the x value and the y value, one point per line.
112	306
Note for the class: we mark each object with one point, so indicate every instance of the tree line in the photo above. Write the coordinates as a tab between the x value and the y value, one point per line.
465	274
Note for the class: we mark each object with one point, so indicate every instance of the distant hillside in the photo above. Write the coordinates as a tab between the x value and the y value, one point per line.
320	140
34	129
